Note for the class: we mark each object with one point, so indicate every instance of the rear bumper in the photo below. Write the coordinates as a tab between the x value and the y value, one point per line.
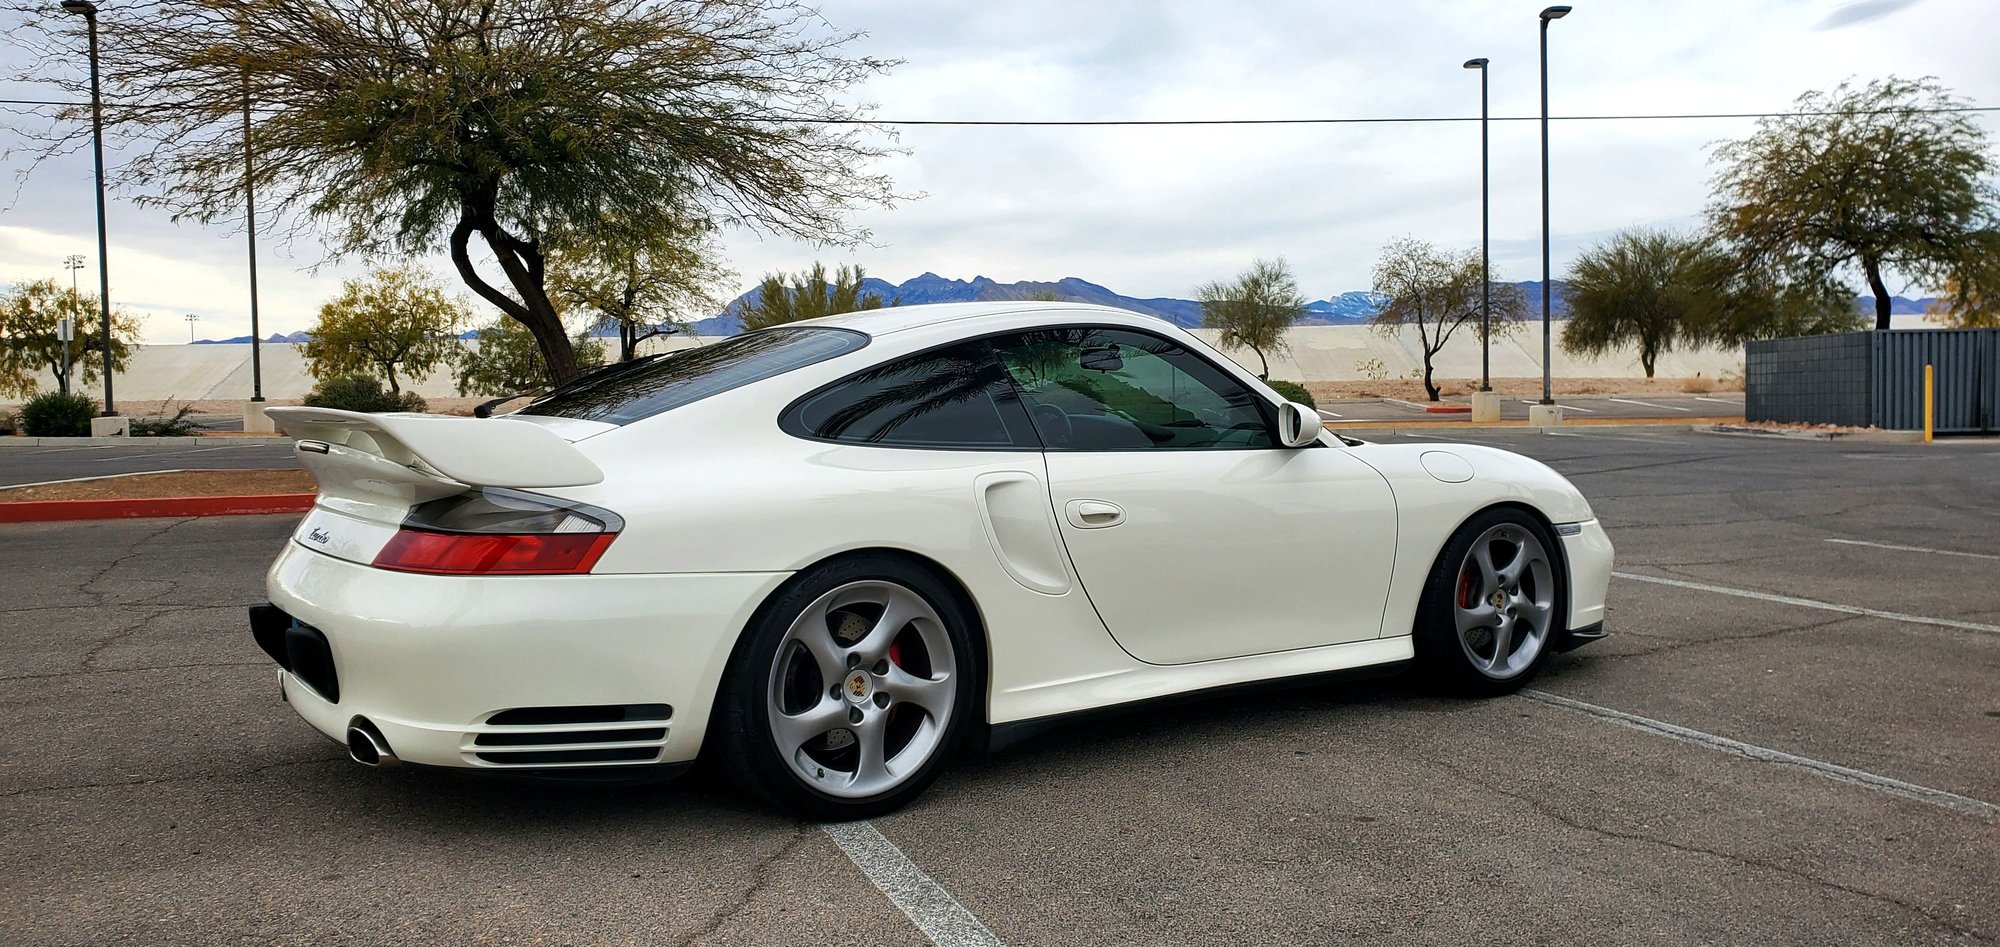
523	673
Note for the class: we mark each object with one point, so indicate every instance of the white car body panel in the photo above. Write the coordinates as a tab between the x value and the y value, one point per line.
720	506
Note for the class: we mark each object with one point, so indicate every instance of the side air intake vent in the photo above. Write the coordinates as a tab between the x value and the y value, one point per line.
601	735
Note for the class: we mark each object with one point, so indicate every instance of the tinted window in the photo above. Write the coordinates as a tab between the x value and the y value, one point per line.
952	398
627	391
1111	389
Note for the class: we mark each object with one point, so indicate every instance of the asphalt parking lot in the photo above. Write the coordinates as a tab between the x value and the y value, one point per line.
1791	736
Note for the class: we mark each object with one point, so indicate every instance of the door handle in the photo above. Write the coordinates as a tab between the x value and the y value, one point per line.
1093	514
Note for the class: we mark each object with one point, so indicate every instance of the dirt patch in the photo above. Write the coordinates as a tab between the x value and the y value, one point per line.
1803	428
1409	389
181	483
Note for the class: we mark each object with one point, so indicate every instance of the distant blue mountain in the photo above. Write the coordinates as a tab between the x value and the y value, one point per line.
1346	308
277	338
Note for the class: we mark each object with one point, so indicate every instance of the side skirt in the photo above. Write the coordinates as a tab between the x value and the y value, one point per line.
1000	736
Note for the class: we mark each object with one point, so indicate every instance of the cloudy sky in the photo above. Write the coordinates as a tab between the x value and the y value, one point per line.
1154	211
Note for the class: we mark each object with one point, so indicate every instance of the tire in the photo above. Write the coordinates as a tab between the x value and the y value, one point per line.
1488	620
850	689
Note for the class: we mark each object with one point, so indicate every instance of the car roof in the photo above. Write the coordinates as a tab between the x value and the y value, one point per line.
890	319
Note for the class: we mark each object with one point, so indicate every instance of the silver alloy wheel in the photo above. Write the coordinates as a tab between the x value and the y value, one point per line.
1504	602
862	688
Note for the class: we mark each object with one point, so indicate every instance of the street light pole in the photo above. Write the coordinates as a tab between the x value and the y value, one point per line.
1485	252
88	10
1552	13
250	230
191	317
67	328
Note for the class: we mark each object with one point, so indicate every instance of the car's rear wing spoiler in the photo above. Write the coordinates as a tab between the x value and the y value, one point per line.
487	452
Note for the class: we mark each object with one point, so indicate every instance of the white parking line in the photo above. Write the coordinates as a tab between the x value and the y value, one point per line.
1406	404
939	915
58	450
175	453
1327	414
1648	404
1565	407
1894	787
1717	400
1813	603
51	483
1934	552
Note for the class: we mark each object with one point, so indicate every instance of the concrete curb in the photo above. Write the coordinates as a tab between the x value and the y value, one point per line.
1858	437
43	511
1446	430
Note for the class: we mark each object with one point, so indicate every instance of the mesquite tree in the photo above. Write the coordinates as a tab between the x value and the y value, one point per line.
479	126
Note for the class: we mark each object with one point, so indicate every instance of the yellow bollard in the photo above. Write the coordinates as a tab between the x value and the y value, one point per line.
1930	395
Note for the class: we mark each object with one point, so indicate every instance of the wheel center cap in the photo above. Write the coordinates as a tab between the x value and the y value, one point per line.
858	687
1498	599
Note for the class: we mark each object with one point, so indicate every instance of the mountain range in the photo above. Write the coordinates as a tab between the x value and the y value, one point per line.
1349	308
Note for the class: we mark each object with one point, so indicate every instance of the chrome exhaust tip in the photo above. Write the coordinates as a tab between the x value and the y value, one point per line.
367	747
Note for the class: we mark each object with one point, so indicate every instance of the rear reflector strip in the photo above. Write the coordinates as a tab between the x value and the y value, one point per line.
416	550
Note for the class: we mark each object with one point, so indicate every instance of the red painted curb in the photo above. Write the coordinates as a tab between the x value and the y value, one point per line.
1449	409
38	511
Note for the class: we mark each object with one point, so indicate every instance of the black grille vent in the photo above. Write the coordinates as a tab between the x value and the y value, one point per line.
555	736
605	713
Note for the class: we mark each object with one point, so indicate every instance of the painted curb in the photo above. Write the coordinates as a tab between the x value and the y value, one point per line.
43	511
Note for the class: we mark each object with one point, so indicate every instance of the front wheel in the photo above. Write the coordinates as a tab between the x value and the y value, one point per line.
1491	605
851	690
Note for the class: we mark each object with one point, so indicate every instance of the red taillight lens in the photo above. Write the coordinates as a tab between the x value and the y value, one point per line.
416	550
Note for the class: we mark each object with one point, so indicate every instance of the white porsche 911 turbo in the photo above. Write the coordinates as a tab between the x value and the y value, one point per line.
831	553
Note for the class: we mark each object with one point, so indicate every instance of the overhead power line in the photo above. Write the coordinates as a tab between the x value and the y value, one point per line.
1149	122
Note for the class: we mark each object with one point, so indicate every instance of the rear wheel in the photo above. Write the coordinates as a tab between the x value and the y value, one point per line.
1491	605
850	691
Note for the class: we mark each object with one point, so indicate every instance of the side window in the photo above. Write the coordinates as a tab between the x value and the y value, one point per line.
1113	389
951	398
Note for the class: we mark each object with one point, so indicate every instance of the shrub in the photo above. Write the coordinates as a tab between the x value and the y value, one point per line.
361	393
54	414
165	425
1293	391
1697	385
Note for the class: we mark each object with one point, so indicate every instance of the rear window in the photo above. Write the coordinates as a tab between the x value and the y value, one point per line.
627	391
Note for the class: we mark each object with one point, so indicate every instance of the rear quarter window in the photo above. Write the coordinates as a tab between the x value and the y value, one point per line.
628	391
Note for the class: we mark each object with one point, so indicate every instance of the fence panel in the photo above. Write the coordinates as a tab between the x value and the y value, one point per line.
1818	379
1962	367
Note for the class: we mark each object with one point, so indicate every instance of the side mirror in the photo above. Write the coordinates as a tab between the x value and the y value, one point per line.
1298	425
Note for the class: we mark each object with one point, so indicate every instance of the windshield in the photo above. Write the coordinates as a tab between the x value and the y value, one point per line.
689	375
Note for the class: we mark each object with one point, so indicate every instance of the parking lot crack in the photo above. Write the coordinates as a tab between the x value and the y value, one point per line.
1559	817
243	774
1680	644
759	879
138	546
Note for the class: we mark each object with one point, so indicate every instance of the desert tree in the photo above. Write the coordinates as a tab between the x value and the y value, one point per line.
30	342
1436	293
808	295
1253	310
392	320
652	284
506	361
1970	295
479	127
1636	289
1887	176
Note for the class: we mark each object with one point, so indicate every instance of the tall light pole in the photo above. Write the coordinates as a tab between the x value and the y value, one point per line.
250	231
191	318
67	327
88	10
1552	13
1485	254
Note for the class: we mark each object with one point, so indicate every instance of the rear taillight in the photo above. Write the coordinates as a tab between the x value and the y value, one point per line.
500	532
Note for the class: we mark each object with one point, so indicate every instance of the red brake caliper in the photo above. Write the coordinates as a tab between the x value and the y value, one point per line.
1464	591
896	653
